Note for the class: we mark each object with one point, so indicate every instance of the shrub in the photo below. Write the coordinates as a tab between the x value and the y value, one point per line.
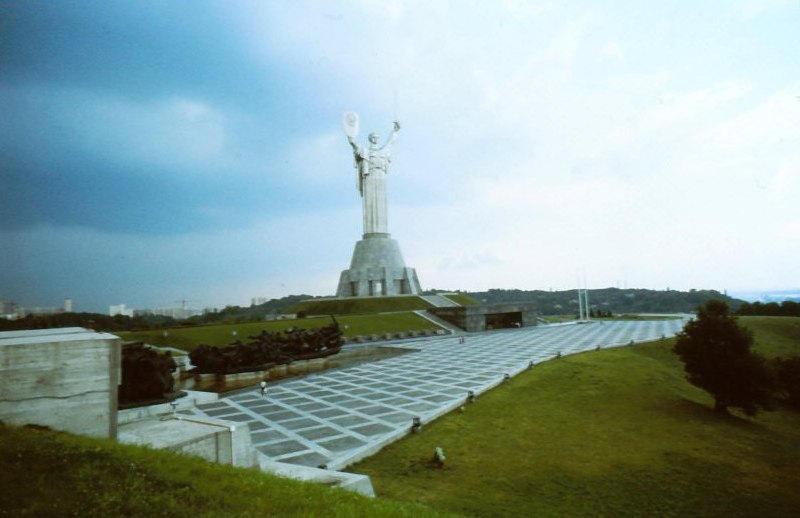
717	357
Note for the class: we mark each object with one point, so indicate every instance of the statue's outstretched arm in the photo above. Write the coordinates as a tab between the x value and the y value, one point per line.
354	145
392	135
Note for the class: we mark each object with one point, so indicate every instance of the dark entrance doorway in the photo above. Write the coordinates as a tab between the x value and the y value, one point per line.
504	320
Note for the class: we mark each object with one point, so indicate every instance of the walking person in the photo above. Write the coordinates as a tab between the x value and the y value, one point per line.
264	389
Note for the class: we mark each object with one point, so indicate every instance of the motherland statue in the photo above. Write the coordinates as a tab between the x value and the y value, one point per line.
377	267
372	164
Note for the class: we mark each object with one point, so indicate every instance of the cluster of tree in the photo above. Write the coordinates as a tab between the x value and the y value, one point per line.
146	374
101	322
96	321
268	349
718	357
608	299
787	308
237	314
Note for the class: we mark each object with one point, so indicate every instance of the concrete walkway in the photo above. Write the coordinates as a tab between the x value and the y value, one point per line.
338	417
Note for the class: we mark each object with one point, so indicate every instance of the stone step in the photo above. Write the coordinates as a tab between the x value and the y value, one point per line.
440	301
440	322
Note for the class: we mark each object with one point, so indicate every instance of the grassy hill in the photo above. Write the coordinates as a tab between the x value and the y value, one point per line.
609	299
190	337
613	432
361	305
44	473
774	336
461	298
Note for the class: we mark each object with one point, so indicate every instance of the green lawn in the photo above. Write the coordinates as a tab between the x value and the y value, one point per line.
461	298
638	317
775	336
360	305
190	337
613	432
44	473
555	319
568	318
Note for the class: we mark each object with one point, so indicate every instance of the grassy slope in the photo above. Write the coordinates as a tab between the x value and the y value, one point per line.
190	337
775	336
44	473
362	305
462	298
567	318
611	432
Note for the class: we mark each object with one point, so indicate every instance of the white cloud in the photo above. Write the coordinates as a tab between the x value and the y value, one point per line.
536	142
544	165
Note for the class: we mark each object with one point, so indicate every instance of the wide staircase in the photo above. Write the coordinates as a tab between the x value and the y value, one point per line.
440	301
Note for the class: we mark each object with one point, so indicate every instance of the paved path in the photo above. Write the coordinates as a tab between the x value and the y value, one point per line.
337	417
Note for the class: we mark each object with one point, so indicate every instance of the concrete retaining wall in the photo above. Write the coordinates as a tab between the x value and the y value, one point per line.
215	440
62	378
192	399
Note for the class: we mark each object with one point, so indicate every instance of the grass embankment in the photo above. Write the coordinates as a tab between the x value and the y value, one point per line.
613	432
44	473
774	336
461	298
555	319
568	318
360	305
190	337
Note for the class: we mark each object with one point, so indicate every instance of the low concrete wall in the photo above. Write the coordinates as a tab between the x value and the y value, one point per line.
192	399
273	373
63	378
473	318
215	440
349	481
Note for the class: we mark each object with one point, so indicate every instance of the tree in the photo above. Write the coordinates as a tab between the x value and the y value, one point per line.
146	373
717	357
787	380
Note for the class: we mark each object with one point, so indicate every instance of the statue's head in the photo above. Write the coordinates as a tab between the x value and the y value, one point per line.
373	139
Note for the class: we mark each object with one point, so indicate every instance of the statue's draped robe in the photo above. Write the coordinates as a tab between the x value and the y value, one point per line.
372	165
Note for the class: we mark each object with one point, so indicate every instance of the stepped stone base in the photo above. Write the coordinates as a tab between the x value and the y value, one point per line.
377	269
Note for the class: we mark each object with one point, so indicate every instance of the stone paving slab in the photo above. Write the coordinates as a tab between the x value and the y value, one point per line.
337	417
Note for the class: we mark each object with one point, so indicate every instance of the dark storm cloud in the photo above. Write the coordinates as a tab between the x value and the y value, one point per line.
140	118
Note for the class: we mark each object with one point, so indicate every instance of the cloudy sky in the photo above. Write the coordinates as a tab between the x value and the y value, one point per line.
156	151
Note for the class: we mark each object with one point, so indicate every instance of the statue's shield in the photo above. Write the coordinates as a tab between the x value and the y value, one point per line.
350	124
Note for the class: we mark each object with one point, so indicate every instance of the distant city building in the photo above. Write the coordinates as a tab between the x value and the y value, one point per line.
37	311
179	313
120	309
257	301
7	306
67	305
11	311
8	310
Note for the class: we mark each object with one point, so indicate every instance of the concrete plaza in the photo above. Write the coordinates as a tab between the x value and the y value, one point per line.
337	417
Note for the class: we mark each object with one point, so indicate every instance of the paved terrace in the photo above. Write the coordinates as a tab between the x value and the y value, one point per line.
337	417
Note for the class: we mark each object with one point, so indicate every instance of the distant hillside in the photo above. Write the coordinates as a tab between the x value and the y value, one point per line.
96	321
351	306
612	299
250	313
100	322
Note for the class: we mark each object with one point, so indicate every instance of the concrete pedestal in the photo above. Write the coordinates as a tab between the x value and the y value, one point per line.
63	378
377	269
